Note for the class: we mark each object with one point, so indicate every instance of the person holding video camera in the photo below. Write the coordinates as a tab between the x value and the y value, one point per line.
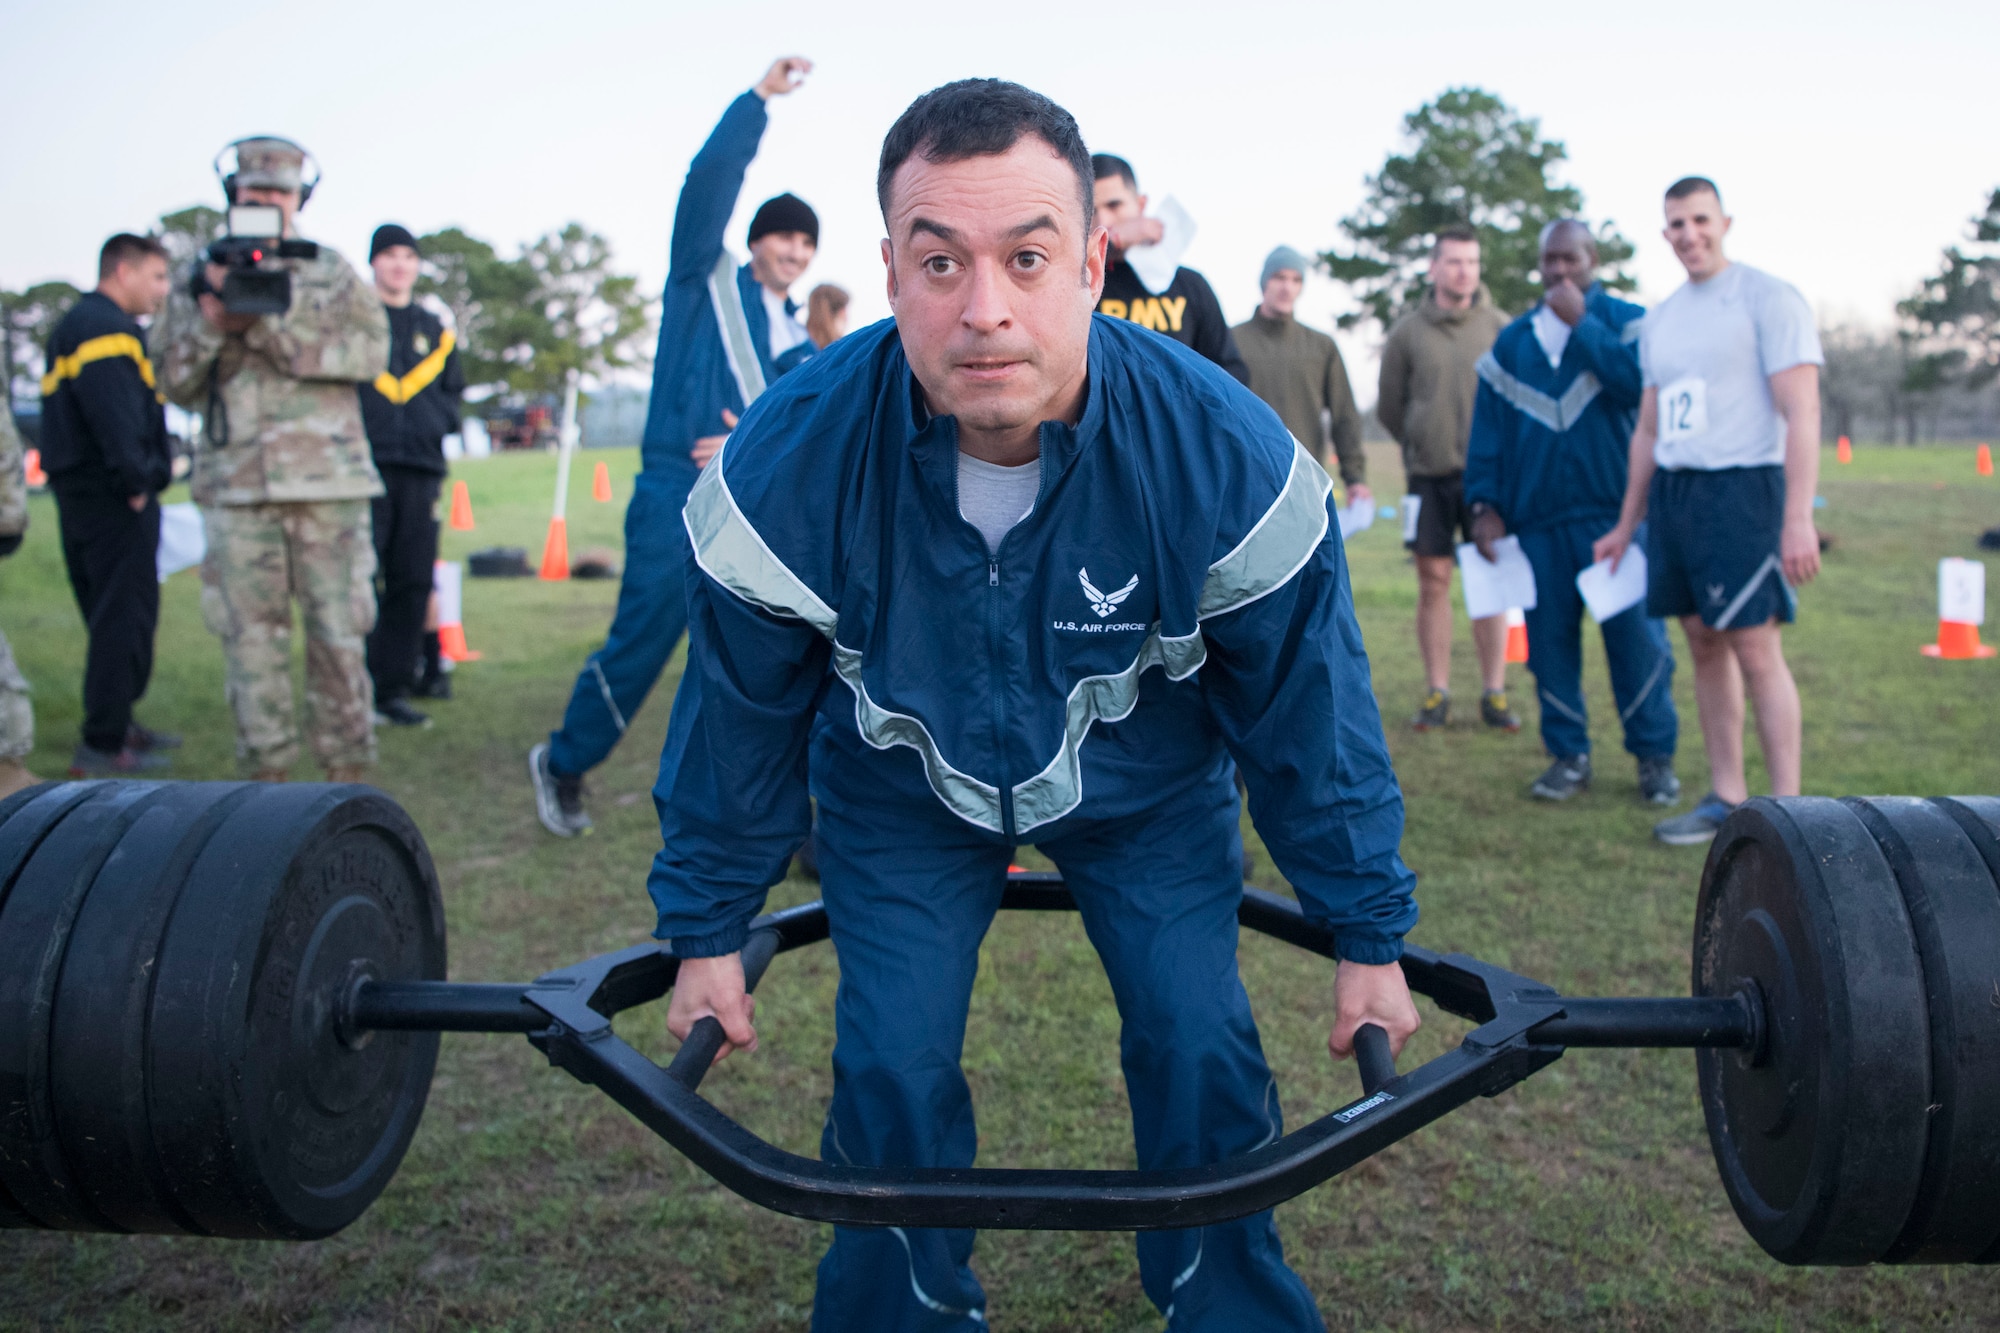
267	340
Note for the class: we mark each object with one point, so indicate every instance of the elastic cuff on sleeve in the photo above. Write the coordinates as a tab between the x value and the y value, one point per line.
1367	950
725	941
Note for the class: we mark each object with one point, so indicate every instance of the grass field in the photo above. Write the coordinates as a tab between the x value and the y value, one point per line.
1584	1198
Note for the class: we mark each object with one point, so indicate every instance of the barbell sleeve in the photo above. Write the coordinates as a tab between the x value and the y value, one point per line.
693	1060
1691	1021
1371	1053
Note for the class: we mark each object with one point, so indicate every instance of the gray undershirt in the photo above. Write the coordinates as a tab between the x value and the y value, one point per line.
994	498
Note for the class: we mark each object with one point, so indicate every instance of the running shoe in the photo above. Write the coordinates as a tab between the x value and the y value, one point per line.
88	762
142	738
1697	826
1657	783
1435	713
432	687
398	713
558	796
1494	712
1564	779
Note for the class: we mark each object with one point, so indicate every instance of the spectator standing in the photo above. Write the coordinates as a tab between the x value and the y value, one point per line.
1299	372
1187	310
408	410
17	710
826	324
283	477
1551	431
1724	465
723	328
104	446
1427	389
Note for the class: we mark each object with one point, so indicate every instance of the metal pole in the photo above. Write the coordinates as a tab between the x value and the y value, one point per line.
566	438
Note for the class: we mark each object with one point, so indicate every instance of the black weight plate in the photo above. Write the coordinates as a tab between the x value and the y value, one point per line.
98	1064
270	1125
35	927
1820	1142
1955	915
1979	818
25	819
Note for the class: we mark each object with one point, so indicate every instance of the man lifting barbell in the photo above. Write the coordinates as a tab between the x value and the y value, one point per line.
985	592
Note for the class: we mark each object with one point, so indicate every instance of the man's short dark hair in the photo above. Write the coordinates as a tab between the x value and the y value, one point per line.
1688	185
125	248
981	118
1103	166
1456	232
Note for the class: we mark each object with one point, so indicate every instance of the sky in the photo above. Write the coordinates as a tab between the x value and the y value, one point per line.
1852	141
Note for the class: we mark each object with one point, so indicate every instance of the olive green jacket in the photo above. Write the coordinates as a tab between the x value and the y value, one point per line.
1429	381
1299	372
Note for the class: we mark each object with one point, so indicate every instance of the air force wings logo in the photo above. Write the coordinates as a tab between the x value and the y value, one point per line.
1104	603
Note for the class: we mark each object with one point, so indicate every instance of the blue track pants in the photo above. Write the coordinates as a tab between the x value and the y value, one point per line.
651	617
910	893
1641	660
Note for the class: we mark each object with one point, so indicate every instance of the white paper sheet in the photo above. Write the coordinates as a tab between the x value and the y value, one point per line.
1493	589
183	542
1355	518
1606	593
1962	591
1155	264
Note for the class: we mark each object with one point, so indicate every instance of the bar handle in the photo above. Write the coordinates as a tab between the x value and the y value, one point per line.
1371	1052
692	1061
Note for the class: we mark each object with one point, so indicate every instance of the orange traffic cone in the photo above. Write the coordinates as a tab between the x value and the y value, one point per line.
600	485
1517	635
555	551
32	464
1843	450
1982	462
1961	611
461	507
448	582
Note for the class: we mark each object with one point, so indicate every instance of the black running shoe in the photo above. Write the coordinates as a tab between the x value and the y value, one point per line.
558	796
1434	713
87	762
142	738
432	687
1495	713
1657	783
1564	779
398	713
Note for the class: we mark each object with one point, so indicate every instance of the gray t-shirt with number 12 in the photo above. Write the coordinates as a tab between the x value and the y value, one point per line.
1710	350
994	498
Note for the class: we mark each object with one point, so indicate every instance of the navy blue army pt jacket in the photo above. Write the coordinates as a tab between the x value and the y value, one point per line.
714	351
1551	444
1177	596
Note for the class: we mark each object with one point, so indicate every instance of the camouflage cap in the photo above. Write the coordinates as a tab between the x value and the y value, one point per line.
272	164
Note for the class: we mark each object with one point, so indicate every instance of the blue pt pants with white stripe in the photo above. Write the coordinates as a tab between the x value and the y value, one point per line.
651	617
910	893
1641	660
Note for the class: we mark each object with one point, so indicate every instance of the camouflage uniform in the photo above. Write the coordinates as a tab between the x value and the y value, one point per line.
283	476
17	715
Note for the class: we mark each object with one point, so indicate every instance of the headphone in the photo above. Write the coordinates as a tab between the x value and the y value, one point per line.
229	179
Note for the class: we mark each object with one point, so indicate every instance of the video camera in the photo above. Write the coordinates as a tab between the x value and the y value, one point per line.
256	233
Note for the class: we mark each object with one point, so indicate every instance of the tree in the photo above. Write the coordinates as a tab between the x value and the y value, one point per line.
187	232
526	323
29	317
1954	317
1470	160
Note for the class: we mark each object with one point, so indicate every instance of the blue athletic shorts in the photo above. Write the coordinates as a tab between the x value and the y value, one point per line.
1712	546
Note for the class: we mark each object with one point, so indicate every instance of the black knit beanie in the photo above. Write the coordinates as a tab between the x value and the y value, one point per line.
786	212
389	234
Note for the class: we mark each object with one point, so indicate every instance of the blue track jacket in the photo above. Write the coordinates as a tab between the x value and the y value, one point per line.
697	371
1178	588
1550	446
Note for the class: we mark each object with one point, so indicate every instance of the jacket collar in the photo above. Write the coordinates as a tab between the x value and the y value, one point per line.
933	440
